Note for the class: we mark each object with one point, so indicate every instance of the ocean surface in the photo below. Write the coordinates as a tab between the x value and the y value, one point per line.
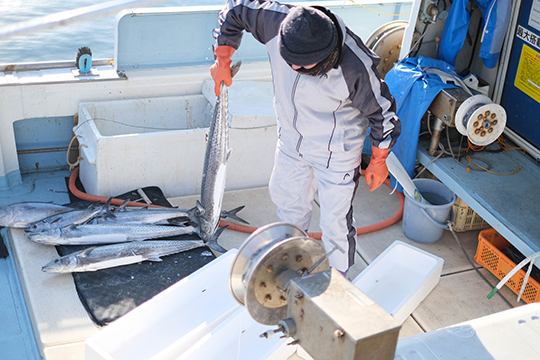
62	43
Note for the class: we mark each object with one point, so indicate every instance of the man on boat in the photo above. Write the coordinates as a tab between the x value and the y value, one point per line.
327	92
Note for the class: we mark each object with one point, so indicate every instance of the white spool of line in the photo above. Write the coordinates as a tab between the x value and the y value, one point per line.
480	120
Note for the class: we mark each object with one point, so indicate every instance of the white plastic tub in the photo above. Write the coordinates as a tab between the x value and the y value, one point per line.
238	338
174	320
130	144
400	278
198	318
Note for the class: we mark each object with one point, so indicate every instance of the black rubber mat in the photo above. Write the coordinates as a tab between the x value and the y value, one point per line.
4	253
108	294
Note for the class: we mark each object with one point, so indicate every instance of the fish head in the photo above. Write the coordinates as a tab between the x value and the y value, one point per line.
61	265
44	237
38	226
5	216
194	214
206	229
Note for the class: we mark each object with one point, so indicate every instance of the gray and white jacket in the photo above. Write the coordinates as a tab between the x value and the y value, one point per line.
323	119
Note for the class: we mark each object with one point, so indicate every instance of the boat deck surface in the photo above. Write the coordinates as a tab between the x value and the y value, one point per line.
61	325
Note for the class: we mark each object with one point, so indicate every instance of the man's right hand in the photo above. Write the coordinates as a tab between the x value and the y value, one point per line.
221	70
377	171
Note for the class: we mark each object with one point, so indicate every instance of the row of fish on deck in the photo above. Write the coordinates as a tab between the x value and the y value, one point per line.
123	228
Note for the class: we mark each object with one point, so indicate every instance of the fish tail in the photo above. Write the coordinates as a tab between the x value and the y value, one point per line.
231	214
213	244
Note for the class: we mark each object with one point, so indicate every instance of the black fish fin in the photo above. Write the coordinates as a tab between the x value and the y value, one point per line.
86	251
232	214
228	155
107	209
200	207
108	202
235	68
213	244
123	206
179	221
194	214
70	227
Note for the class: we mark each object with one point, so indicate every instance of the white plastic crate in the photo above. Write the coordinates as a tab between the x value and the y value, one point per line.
130	144
198	318
172	321
400	278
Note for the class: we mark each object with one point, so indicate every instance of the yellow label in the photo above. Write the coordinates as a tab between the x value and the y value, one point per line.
528	73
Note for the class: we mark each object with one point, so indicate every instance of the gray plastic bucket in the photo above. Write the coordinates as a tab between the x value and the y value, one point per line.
424	223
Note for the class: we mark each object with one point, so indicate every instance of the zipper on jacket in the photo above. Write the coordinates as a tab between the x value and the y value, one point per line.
295	112
332	135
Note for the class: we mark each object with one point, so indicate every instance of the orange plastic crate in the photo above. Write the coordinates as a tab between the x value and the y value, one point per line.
489	255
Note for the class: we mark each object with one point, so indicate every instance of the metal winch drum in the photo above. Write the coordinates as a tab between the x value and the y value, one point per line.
260	272
480	120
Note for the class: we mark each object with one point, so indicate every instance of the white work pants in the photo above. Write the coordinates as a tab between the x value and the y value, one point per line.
292	188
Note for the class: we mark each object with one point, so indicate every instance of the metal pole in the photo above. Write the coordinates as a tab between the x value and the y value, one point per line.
70	16
39	151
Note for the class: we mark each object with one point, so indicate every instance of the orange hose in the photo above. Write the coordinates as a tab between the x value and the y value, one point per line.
95	198
232	226
317	235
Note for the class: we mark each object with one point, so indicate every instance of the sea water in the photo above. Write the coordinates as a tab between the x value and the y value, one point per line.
63	42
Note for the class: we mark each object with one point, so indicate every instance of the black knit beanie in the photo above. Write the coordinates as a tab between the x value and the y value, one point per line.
306	36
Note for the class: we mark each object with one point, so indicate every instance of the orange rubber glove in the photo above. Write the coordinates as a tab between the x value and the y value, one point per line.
221	70
377	171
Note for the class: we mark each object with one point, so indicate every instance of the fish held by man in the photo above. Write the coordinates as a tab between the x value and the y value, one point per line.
215	164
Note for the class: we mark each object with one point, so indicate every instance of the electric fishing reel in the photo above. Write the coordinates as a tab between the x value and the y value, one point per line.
264	264
480	120
283	278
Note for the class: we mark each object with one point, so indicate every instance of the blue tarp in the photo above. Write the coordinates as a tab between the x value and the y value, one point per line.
495	19
414	90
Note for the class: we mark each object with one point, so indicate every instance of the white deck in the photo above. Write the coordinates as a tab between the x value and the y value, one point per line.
61	324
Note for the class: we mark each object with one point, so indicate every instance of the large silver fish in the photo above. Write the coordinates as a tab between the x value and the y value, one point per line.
148	216
215	164
107	256
20	215
74	217
107	234
125	215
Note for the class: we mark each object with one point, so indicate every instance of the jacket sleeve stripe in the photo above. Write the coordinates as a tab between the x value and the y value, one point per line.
260	18
374	101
